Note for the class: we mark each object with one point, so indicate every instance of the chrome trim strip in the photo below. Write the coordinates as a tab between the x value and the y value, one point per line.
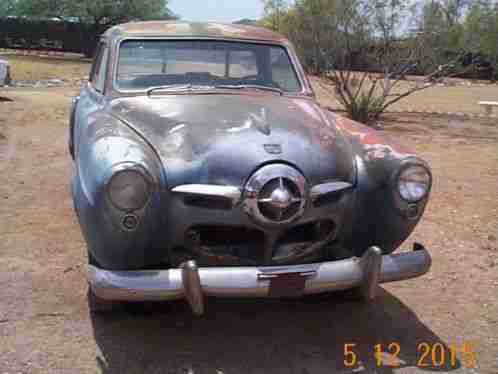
272	275
142	285
325	188
210	190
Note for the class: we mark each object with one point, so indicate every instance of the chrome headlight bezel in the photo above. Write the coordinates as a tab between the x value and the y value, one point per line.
139	197
410	177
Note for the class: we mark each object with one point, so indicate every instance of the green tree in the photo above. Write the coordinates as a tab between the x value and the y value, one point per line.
348	42
440	24
316	27
274	11
7	8
98	14
481	33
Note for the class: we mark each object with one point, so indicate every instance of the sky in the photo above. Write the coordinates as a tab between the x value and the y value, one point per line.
216	10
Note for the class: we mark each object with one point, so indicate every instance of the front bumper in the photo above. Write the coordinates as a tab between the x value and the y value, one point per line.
193	283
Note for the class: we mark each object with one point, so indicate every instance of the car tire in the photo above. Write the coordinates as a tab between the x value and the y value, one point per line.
91	260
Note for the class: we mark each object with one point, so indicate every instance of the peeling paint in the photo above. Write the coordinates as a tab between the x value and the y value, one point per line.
375	143
217	128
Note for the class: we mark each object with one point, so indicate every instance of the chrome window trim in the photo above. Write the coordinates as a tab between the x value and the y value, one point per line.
105	48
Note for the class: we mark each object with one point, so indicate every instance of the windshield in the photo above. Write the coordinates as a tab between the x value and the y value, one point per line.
144	64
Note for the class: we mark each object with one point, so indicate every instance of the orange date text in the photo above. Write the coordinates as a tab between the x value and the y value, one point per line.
429	355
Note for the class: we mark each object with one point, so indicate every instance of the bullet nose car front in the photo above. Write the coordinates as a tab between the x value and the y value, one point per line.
204	166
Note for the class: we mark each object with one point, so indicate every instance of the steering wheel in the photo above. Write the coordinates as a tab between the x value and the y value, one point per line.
252	77
260	79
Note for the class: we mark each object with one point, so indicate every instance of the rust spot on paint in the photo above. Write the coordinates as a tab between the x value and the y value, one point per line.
377	144
195	29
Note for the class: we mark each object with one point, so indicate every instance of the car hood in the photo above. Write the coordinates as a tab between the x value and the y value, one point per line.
223	138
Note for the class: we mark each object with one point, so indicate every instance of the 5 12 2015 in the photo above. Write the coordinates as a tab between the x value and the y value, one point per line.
429	355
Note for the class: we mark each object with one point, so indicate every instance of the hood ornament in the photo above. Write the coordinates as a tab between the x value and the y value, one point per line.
275	194
260	122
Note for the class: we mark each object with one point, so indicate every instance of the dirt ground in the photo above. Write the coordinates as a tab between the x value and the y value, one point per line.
45	326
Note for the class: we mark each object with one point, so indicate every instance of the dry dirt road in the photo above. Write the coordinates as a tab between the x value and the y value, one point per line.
45	326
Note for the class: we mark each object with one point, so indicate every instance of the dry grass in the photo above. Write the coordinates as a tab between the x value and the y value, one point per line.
450	99
41	67
454	99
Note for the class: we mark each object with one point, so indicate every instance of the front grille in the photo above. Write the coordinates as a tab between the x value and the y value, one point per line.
309	232
299	240
231	243
207	202
229	235
213	245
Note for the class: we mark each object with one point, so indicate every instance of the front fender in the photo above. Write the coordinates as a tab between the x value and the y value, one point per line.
105	146
380	217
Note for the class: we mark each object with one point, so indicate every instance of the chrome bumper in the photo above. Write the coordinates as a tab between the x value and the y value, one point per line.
193	283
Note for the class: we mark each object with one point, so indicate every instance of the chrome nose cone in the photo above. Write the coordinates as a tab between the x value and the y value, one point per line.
275	194
280	198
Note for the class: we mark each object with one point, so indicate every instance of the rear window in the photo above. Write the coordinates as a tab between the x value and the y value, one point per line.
144	64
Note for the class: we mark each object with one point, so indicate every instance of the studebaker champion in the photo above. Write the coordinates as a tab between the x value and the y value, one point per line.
204	166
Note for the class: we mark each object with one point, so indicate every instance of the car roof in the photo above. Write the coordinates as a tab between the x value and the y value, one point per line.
194	29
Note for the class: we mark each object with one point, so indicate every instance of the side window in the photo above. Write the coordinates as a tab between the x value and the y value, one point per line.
282	71
96	61
99	69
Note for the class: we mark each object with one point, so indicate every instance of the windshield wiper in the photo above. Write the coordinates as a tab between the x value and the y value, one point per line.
190	87
253	86
176	87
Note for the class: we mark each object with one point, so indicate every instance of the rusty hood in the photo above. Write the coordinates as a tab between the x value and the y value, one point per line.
223	138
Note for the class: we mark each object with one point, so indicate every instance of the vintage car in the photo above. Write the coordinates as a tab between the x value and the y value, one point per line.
204	166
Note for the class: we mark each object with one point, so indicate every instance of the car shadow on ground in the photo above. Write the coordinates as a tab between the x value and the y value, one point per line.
263	336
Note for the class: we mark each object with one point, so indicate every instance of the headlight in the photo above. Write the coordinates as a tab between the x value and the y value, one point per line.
129	190
414	183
